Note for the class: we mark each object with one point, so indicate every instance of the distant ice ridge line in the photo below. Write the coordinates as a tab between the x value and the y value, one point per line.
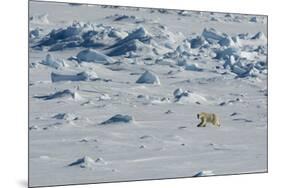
80	34
113	42
242	55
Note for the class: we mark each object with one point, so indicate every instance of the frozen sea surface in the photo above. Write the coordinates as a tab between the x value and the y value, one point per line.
192	62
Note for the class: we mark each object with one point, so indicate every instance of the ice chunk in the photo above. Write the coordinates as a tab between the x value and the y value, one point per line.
193	67
35	33
39	19
227	41
226	53
91	55
204	173
100	161
229	62
148	78
190	97
236	40
140	34
126	18
183	13
80	34
104	97
84	162
61	94
118	119
137	41
131	48
162	100
197	42
261	65
211	35
259	36
239	70
178	93
52	62
82	76
253	19
65	116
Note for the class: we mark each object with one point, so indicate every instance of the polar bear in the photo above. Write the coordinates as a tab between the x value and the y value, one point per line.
208	118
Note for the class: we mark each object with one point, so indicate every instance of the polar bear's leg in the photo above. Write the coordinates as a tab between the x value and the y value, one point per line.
202	123
217	121
218	124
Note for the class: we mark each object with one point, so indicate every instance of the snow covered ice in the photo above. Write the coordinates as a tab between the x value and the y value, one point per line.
114	93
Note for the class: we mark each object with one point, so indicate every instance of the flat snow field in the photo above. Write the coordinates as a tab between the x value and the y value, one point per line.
114	93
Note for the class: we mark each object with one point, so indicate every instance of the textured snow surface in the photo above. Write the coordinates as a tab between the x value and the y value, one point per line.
114	93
